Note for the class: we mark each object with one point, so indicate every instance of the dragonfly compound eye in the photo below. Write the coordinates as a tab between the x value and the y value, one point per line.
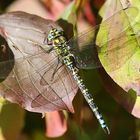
54	33
50	37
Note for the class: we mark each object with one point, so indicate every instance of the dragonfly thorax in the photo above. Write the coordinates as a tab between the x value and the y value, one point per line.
58	41
54	34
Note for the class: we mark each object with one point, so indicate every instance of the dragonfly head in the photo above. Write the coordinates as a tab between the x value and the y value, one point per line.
54	33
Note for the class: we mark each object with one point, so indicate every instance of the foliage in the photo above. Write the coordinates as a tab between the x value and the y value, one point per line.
82	125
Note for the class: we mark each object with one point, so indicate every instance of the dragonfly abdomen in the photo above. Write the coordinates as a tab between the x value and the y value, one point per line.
88	97
62	49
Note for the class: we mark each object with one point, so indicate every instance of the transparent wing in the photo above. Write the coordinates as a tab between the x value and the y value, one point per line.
115	30
31	84
29	74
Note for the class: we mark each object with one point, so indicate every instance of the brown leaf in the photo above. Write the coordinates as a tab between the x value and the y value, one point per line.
38	82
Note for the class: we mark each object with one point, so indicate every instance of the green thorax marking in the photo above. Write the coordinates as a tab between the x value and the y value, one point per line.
60	46
58	41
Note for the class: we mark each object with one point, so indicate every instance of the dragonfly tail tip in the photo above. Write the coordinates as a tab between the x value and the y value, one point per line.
107	131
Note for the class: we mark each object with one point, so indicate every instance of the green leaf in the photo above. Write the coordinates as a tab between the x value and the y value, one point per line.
68	20
11	120
120	56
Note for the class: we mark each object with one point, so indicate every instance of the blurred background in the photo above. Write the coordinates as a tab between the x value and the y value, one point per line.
19	124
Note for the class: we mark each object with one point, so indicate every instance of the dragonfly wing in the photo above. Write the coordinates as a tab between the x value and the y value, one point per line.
26	29
119	50
30	83
87	58
85	46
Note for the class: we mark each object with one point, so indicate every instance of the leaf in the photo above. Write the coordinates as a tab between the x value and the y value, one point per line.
122	63
11	122
56	124
114	7
68	20
31	82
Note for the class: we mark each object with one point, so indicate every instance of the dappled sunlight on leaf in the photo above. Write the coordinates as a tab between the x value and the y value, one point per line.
121	60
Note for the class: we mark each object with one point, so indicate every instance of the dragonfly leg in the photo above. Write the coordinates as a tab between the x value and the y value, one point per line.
57	67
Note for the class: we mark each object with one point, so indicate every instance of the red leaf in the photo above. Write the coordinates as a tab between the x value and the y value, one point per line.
55	7
89	14
31	82
56	124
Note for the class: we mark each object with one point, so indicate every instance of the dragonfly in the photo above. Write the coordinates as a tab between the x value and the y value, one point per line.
85	58
63	50
67	53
